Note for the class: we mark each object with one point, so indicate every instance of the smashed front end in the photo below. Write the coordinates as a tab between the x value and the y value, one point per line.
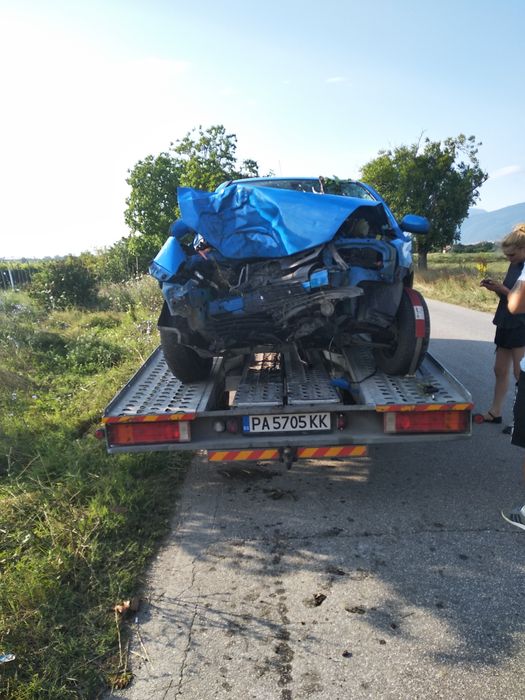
269	267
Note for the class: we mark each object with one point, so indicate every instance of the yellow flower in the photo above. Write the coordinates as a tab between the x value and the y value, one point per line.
482	267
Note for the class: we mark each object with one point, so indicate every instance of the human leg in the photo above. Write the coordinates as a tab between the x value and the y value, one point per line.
516	516
502	364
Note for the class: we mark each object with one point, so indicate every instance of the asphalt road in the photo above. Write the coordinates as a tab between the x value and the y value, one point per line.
392	576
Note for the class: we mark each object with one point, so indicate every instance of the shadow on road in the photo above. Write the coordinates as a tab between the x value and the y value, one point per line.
423	519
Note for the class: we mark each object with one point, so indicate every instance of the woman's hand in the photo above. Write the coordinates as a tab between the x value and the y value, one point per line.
494	286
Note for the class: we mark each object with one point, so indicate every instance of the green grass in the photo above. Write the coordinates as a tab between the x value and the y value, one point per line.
77	526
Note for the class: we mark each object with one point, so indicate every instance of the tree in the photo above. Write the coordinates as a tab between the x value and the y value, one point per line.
210	159
201	160
151	205
439	180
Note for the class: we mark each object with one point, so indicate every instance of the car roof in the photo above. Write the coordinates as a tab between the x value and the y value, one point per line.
280	178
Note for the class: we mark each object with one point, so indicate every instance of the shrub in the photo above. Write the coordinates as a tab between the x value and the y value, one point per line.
64	283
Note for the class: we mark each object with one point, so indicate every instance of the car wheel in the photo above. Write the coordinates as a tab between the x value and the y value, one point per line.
183	361
412	333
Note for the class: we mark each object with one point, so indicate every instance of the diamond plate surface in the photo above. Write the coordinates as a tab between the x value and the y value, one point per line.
307	383
154	390
430	384
261	383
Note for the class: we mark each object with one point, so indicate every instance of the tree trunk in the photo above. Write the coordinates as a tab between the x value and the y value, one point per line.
422	260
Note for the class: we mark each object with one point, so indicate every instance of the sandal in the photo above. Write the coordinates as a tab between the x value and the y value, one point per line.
492	419
480	418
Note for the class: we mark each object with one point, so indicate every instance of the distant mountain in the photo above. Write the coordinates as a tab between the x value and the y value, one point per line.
481	225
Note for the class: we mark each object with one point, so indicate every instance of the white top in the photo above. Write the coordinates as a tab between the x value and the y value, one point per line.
521	279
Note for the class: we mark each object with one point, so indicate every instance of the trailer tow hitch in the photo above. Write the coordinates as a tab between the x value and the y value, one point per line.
288	455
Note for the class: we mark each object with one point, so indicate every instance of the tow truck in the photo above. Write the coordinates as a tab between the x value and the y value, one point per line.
286	406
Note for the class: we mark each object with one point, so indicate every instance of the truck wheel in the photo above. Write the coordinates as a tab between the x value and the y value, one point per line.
184	362
412	333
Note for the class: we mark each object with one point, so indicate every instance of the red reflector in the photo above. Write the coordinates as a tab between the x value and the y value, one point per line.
100	433
427	422
148	432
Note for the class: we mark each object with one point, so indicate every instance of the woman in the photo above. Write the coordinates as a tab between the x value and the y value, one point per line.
510	328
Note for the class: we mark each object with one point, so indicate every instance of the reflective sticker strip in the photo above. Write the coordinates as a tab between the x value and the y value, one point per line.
341	451
302	453
238	455
425	407
150	418
419	312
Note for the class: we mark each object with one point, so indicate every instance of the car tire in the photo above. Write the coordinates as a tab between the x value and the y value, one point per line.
187	365
412	335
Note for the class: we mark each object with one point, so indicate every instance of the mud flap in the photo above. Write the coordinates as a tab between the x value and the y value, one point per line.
421	331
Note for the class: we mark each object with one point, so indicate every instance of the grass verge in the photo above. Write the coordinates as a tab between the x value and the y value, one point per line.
77	526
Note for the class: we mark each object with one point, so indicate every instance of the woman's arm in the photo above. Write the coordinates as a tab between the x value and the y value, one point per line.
516	298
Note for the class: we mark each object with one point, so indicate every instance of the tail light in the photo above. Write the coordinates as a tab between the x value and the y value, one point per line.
148	432
426	422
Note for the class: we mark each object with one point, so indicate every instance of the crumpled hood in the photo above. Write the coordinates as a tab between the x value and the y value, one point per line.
246	222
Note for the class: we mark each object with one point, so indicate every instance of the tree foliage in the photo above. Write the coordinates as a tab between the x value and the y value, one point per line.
209	159
482	247
201	159
152	203
439	180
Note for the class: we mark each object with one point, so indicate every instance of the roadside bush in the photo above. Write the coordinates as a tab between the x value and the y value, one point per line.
64	283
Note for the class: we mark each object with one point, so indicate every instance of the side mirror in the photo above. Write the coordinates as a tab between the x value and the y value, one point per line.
412	223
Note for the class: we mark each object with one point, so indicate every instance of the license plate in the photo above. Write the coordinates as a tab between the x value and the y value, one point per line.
286	423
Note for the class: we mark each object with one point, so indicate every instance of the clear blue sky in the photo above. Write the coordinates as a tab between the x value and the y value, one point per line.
89	88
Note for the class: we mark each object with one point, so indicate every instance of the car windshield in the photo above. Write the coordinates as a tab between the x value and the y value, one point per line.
347	188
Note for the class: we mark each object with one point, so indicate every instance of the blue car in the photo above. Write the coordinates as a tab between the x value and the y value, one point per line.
262	263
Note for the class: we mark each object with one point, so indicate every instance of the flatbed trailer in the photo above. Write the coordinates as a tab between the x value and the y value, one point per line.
280	406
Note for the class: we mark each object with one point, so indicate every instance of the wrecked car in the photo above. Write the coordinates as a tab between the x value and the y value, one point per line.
265	262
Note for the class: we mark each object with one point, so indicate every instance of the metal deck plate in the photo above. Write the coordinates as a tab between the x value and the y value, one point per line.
269	378
154	390
307	384
430	384
261	383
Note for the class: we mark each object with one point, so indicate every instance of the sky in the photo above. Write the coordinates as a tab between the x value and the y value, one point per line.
87	89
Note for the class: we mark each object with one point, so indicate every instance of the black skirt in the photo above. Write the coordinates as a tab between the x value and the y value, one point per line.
510	338
518	432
